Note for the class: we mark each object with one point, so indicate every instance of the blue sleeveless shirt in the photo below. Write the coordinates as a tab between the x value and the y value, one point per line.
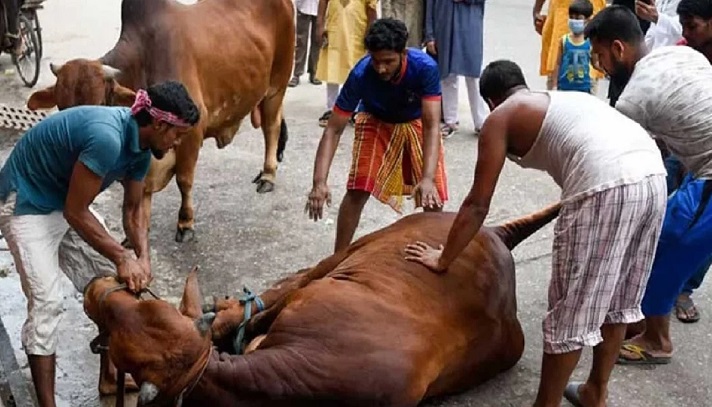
575	68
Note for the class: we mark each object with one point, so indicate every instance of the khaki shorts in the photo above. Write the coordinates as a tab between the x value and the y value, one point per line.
43	247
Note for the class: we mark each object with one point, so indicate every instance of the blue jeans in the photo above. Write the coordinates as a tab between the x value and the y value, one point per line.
673	166
683	248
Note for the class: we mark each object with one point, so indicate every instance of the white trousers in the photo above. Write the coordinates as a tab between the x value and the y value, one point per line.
478	106
43	247
332	93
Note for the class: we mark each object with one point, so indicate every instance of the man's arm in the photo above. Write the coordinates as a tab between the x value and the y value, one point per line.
321	18
431	136
431	111
327	145
559	55
345	105
491	153
134	218
84	186
428	26
666	30
371	12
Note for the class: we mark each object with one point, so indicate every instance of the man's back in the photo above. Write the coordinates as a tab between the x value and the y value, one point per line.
670	94
41	164
587	146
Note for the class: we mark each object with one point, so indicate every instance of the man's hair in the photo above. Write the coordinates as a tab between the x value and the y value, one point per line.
614	23
499	77
695	8
386	34
581	7
173	97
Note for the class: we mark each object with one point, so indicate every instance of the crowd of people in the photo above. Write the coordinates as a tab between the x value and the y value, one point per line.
632	238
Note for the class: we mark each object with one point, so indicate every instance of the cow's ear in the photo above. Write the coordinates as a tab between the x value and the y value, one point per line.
123	96
42	99
190	304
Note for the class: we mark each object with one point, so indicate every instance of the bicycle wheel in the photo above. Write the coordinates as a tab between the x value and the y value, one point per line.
38	29
28	64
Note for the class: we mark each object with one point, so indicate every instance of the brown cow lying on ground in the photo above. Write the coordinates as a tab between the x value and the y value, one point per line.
363	327
234	56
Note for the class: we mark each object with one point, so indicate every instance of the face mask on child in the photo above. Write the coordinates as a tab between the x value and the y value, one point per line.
577	26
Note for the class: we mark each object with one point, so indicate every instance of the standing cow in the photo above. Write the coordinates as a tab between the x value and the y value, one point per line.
234	56
364	327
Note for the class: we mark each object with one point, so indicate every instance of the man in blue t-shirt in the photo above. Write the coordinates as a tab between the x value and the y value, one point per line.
397	144
53	174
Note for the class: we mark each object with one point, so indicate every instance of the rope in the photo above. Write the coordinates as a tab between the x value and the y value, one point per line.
247	299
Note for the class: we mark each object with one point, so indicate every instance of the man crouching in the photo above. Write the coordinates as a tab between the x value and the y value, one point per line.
395	153
47	185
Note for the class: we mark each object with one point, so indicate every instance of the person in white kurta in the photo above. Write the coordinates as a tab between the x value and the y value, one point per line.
665	28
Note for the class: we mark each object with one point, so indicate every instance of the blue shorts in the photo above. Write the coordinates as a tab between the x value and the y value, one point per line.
684	246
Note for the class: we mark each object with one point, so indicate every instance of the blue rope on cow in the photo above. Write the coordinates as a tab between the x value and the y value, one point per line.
247	299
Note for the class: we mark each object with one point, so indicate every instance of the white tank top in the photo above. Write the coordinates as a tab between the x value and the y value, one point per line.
587	146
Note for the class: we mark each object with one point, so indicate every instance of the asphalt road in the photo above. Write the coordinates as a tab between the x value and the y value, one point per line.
249	239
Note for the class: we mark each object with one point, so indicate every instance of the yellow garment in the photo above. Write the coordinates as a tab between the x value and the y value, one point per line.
555	27
345	24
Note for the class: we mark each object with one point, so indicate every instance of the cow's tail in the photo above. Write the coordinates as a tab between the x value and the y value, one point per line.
514	232
283	137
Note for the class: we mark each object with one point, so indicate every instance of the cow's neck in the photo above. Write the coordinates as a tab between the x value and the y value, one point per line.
230	380
126	56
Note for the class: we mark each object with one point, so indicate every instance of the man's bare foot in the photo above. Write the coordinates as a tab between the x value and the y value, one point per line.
17	45
641	351
685	309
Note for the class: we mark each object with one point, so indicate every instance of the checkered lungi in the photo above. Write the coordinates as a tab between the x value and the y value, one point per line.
604	247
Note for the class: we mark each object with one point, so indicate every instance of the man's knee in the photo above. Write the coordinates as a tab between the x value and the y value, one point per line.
40	331
80	262
356	198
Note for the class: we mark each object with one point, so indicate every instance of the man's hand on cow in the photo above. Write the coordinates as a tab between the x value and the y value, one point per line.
425	254
319	195
133	273
426	195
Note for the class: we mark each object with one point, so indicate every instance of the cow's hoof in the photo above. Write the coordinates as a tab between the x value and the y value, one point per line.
264	186
280	156
184	235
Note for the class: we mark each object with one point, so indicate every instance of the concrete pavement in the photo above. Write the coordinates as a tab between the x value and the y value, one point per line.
250	239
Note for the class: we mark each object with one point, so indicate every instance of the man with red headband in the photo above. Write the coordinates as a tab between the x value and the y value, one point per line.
47	185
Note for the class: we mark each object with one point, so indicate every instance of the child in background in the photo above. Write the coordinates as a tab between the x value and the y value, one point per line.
574	59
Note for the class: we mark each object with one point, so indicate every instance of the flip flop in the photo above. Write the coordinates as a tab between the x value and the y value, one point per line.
571	393
683	308
644	357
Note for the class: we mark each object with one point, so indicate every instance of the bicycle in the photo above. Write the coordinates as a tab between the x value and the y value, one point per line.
28	62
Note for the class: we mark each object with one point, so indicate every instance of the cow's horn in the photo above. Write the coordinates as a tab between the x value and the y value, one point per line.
147	394
110	72
55	68
204	323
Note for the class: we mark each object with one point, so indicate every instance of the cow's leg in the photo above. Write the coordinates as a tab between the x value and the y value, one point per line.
108	377
272	129
186	160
